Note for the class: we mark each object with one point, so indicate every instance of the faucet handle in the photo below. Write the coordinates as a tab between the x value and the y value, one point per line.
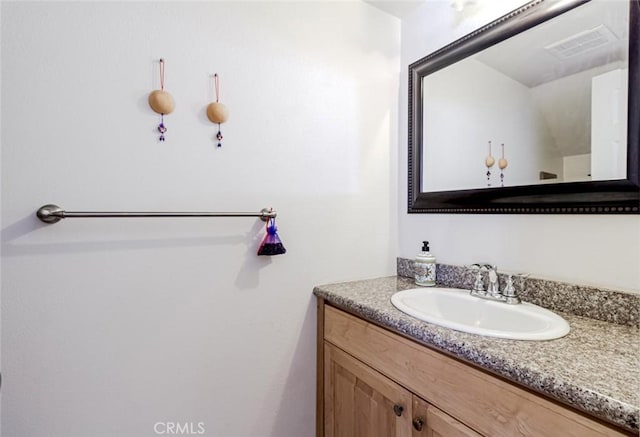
481	266
510	290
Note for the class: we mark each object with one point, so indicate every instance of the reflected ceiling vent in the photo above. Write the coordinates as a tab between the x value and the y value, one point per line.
582	42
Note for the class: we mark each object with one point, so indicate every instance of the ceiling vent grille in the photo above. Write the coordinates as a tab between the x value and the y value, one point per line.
582	42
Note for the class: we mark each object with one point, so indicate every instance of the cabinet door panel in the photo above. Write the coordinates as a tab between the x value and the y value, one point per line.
440	424
360	402
343	401
431	422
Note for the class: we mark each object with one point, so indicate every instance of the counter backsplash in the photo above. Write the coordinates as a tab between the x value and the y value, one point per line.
596	303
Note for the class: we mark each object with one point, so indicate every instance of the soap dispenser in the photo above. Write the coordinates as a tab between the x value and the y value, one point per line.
425	267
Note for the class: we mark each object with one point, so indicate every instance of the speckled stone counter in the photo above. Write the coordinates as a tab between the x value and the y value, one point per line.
593	302
595	368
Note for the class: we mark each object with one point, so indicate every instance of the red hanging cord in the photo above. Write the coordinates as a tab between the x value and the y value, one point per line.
216	81
162	74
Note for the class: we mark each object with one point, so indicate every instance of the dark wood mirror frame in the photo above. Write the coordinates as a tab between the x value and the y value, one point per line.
595	197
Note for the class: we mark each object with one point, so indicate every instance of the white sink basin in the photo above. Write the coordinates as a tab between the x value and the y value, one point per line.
457	309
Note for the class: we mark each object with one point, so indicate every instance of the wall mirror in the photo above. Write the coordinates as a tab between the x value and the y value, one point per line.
536	112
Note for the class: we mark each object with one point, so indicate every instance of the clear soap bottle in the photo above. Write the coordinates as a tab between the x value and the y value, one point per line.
424	267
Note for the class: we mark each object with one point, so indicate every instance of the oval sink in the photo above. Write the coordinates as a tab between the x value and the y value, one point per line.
457	309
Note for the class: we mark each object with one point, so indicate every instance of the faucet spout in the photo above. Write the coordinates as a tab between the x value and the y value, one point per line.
494	288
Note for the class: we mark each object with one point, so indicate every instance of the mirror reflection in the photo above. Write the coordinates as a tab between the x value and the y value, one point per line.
546	106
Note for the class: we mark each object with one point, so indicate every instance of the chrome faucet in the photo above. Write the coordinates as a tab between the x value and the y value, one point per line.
494	287
478	285
509	295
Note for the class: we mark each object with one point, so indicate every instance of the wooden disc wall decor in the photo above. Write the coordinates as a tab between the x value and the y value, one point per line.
161	102
216	111
488	162
502	164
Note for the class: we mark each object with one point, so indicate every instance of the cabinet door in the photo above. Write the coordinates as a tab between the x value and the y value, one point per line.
360	402
428	421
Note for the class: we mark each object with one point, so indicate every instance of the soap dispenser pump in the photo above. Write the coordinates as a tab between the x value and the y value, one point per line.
425	267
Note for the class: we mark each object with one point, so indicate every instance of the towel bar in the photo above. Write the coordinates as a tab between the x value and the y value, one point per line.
54	213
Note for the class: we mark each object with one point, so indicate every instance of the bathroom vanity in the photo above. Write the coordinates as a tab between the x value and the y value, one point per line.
382	372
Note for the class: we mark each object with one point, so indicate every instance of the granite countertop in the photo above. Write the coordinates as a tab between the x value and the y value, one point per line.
595	368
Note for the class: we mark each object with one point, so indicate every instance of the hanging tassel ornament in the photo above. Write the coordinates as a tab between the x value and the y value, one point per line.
216	111
488	162
161	102
271	244
502	163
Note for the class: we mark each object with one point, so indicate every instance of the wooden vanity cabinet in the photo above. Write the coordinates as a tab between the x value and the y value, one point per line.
373	382
361	402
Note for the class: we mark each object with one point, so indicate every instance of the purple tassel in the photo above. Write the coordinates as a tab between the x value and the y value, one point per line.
271	244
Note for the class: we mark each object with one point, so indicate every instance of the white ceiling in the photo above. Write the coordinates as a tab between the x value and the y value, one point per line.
399	8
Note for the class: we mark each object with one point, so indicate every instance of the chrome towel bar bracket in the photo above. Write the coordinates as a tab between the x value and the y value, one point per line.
54	213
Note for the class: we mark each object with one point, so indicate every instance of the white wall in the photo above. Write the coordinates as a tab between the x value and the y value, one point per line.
109	326
599	250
